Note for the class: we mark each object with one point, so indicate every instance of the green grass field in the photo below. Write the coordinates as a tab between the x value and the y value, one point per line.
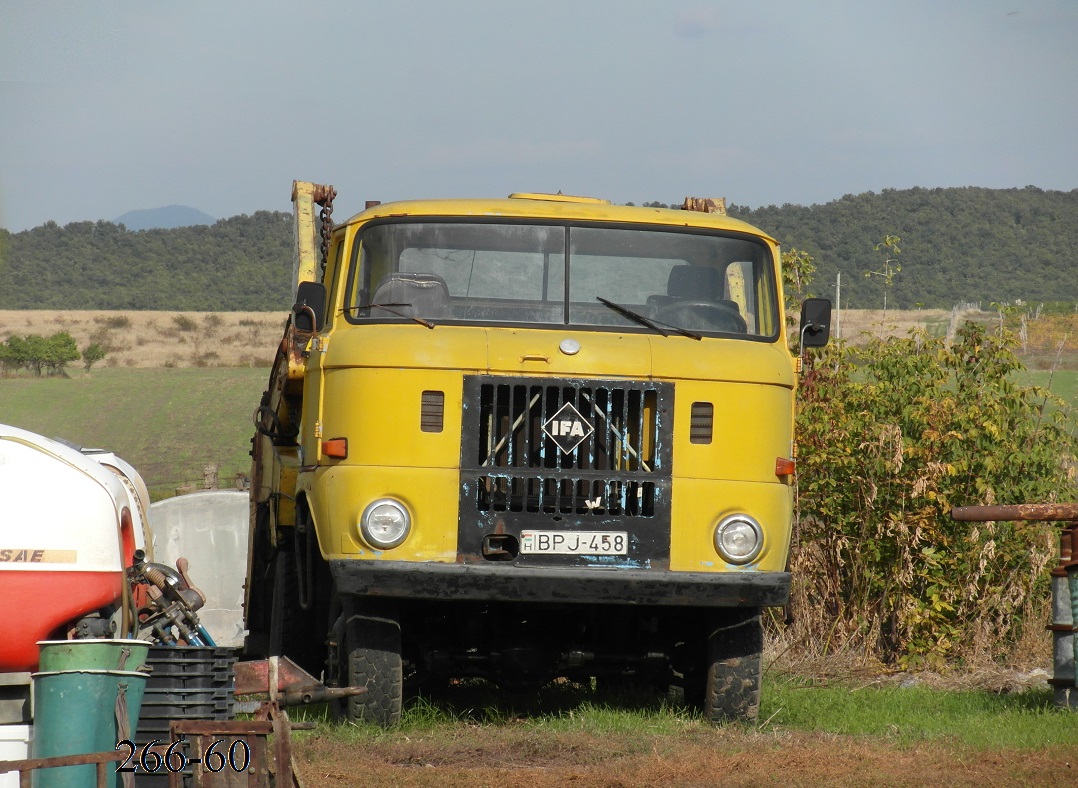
977	719
167	423
1064	382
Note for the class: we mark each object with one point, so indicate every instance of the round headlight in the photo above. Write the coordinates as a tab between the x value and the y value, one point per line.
384	523
739	538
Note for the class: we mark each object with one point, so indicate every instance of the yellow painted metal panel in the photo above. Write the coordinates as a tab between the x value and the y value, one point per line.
339	495
536	352
378	411
723	359
408	345
699	504
751	430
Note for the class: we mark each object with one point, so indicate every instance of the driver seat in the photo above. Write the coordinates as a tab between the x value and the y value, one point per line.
695	283
414	294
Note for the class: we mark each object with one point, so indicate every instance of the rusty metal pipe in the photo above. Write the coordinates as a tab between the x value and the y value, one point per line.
27	765
1029	512
319	696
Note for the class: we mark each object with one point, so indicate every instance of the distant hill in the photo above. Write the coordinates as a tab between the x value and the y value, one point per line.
164	218
958	245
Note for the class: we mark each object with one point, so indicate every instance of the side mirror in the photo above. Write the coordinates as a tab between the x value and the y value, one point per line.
815	322
310	307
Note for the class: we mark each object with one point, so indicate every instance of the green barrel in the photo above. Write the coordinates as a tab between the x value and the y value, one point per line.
92	654
83	711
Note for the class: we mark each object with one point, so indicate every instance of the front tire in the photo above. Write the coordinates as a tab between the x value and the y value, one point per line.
734	650
370	656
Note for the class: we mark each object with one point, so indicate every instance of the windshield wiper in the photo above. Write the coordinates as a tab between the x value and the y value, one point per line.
654	325
389	308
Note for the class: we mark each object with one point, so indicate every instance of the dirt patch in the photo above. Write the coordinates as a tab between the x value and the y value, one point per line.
497	757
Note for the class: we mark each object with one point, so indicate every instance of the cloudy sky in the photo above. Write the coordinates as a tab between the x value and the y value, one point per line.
112	105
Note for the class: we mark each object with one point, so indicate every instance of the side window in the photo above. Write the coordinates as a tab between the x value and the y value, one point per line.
333	274
371	263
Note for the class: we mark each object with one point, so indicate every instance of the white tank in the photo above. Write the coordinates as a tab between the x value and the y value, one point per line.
68	529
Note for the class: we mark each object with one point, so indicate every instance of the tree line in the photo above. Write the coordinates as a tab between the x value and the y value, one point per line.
237	264
958	244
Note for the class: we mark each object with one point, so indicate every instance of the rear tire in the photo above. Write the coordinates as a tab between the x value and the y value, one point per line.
370	656
734	649
292	632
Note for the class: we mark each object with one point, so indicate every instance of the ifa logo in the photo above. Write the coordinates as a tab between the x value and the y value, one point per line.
567	428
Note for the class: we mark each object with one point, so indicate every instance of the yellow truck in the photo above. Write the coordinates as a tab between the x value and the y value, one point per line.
526	438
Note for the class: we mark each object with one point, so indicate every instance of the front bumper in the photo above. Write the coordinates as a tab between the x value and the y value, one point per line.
550	585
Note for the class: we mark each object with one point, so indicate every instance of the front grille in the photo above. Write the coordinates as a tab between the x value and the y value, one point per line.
566	454
628	419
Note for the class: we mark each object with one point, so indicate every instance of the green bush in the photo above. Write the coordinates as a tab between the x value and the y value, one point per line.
893	434
92	353
38	354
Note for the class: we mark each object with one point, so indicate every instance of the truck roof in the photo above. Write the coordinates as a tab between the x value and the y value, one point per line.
557	207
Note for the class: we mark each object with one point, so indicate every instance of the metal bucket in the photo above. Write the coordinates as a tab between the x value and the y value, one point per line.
82	711
92	654
1072	578
1062	640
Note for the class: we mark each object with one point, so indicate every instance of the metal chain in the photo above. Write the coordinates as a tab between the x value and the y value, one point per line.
324	197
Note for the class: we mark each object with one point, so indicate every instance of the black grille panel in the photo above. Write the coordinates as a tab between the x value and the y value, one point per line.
515	476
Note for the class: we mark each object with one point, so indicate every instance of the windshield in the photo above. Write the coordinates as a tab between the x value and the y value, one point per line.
629	277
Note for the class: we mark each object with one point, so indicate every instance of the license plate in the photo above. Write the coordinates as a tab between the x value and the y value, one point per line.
574	542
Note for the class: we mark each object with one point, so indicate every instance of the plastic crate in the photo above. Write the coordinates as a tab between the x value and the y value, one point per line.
188	667
186	683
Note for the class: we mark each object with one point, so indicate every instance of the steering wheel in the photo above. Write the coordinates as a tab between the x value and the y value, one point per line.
703	316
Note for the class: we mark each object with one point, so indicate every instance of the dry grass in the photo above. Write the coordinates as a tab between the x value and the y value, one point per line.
857	323
160	339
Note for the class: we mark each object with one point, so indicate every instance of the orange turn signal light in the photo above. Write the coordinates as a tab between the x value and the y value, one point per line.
335	447
785	467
